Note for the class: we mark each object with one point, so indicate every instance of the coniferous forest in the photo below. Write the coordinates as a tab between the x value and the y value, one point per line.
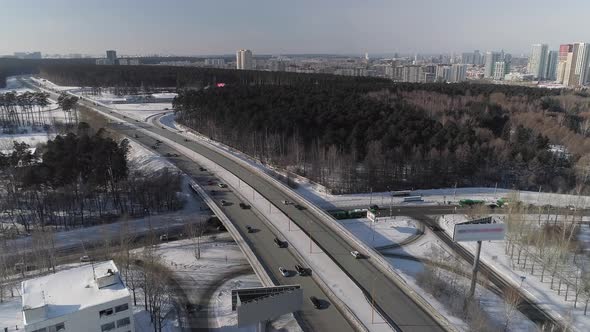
358	134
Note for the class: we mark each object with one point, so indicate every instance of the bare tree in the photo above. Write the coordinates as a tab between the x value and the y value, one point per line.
512	300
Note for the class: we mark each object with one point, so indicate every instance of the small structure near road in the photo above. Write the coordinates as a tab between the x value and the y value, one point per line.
260	304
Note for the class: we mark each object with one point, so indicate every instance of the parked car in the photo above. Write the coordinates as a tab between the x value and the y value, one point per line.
284	271
356	254
316	303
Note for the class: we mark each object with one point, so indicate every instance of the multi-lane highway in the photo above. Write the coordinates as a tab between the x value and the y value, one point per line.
397	307
329	318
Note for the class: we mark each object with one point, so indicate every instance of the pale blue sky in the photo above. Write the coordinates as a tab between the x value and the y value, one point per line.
195	27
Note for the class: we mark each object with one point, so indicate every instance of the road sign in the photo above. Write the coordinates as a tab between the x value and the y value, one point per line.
479	232
371	216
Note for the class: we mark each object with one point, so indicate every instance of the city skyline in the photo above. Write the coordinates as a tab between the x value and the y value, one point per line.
203	28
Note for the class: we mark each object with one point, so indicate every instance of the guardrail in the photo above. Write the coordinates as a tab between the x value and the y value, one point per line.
250	256
382	265
343	308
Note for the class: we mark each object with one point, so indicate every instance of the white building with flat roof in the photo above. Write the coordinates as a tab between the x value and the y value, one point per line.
89	298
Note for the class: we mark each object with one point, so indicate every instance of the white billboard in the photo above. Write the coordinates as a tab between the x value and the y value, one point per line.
258	304
371	216
479	232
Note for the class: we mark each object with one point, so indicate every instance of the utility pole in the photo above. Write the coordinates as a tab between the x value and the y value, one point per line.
371	197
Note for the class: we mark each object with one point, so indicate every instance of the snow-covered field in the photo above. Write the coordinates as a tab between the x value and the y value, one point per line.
385	232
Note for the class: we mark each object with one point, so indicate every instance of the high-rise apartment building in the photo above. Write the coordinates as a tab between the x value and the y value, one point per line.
551	67
112	57
458	73
501	68
564	50
244	60
538	61
491	59
576	65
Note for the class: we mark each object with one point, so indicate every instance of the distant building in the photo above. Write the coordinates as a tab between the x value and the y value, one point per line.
27	55
458	73
501	68
564	50
112	56
244	60
491	59
128	62
576	66
277	65
443	73
538	61
215	62
552	60
87	298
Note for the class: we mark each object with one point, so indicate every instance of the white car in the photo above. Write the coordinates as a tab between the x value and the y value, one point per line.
84	259
356	254
222	185
283	271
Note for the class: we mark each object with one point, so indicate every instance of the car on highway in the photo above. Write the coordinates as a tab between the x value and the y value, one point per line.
300	270
186	140
316	302
164	237
299	207
279	243
85	259
374	207
244	206
155	147
356	254
286	202
249	229
222	185
202	169
284	271
224	202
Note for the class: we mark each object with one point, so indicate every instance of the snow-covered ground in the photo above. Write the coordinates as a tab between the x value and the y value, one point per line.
493	254
385	232
13	85
220	268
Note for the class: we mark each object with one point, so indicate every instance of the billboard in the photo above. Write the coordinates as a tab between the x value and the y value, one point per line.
371	216
479	232
258	304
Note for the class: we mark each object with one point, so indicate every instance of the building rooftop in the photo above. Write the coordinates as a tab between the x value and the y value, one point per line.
72	290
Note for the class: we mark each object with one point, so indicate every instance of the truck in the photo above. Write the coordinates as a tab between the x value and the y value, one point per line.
413	199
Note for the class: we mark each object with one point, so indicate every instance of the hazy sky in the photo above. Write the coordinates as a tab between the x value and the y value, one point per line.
195	27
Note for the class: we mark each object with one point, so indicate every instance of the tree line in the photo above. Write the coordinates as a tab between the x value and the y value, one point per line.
352	141
79	180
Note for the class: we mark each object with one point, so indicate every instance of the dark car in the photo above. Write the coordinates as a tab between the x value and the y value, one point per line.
244	206
202	169
279	243
316	302
300	270
299	207
250	229
374	207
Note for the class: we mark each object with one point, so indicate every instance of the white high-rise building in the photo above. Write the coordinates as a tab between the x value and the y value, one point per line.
244	60
538	61
491	59
501	68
